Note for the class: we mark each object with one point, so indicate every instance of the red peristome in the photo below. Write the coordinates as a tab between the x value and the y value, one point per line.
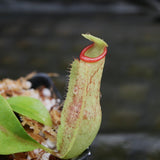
89	59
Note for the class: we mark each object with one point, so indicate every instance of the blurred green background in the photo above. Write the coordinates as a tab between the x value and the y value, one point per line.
45	36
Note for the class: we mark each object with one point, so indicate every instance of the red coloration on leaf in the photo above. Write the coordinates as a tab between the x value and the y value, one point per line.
74	111
89	59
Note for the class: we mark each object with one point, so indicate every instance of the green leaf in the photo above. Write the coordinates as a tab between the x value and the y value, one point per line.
13	138
81	114
32	108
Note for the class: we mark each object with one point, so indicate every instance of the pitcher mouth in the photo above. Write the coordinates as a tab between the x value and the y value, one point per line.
92	59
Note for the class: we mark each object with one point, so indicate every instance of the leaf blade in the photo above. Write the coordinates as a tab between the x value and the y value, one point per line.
32	108
13	137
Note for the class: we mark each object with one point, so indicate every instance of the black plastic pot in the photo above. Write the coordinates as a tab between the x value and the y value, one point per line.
42	79
85	155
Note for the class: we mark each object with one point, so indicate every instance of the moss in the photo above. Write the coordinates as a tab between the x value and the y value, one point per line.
133	92
147	52
155	156
140	71
124	119
104	152
157	123
23	44
52	46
